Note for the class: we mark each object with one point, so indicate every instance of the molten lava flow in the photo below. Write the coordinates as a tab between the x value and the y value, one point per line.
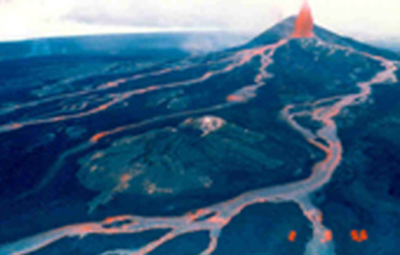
213	219
304	24
359	237
292	236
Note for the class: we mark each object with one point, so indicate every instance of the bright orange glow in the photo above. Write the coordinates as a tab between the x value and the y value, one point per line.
364	235
97	137
328	236
235	98
304	24
292	236
126	178
359	237
217	220
354	235
102	107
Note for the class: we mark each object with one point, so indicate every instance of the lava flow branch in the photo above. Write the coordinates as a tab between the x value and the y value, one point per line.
242	95
237	60
214	218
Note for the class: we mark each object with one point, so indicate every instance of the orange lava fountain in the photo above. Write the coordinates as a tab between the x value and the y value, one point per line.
304	24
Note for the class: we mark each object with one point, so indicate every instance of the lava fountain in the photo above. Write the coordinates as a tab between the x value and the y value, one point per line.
304	24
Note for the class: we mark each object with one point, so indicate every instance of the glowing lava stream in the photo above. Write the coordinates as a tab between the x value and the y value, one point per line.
221	214
240	96
106	86
241	58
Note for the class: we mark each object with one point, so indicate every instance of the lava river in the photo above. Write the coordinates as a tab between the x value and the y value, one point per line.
215	217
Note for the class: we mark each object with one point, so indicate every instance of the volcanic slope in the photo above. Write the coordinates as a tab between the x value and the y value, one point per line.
291	87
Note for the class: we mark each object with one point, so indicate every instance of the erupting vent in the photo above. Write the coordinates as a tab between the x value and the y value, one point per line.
304	24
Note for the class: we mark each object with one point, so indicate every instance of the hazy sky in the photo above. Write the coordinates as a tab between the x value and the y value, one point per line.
21	19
